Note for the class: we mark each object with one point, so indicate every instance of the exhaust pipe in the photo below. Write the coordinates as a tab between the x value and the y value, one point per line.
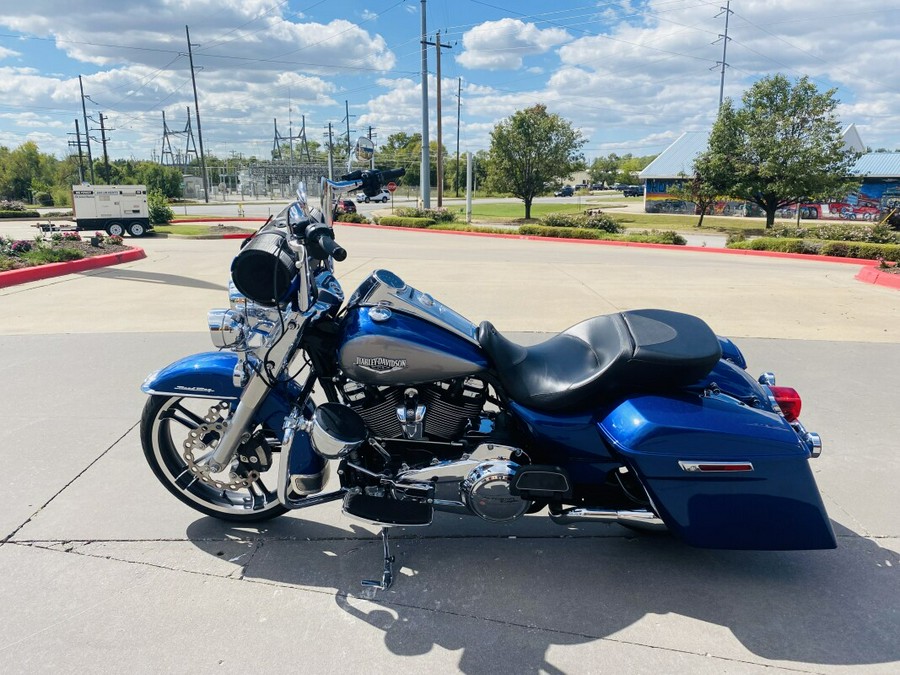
638	520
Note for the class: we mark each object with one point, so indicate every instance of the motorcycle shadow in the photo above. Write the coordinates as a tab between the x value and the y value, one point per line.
528	594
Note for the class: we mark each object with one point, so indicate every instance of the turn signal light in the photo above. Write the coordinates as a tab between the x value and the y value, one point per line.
789	401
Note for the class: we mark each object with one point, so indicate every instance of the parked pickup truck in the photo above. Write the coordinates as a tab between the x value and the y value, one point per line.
633	191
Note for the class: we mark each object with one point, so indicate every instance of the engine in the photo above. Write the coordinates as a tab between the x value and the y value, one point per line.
437	411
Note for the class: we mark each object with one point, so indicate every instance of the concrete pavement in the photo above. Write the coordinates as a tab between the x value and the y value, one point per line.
103	570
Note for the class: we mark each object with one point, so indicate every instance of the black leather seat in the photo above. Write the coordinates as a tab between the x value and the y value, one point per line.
647	349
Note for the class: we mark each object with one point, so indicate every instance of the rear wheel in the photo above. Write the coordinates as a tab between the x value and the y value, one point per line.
136	229
179	433
115	230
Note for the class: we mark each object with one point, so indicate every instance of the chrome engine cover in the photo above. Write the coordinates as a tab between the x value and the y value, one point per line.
485	491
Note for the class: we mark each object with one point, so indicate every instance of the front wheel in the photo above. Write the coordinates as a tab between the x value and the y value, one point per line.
178	433
115	230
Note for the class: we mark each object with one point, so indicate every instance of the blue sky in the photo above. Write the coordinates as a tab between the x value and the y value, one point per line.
631	74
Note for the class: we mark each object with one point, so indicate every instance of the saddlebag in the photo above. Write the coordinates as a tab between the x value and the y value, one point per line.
721	474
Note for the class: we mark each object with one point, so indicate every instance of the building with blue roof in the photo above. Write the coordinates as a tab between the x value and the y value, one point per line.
875	198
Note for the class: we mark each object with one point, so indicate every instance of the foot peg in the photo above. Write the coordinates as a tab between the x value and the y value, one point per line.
370	586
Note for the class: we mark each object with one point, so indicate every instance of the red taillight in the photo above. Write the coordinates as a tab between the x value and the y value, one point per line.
789	401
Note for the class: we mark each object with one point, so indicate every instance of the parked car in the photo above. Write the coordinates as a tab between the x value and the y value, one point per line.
384	197
633	190
565	191
345	206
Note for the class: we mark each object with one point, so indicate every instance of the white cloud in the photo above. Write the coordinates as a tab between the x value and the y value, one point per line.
503	44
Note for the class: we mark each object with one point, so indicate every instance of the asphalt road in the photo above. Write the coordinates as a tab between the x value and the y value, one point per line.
101	570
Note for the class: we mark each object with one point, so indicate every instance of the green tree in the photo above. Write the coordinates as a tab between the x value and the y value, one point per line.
532	149
782	147
603	170
165	179
24	167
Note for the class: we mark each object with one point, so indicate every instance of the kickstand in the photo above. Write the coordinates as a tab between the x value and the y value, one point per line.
387	576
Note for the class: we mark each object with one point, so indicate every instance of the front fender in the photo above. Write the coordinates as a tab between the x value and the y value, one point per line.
204	375
210	375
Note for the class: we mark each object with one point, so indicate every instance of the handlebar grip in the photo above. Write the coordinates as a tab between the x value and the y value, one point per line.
391	174
321	243
332	248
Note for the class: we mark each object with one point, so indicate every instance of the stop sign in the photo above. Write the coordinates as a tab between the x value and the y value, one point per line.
391	186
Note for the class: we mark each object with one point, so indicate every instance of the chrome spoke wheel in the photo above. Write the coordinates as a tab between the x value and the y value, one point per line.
179	433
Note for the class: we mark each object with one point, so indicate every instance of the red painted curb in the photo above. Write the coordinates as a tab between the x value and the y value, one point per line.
872	275
26	274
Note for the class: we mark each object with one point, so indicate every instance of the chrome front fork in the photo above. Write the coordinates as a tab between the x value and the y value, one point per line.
254	394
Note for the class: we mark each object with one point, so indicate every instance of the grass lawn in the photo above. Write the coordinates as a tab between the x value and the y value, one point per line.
197	230
516	210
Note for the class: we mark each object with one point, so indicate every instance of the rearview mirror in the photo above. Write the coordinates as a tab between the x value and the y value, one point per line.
365	149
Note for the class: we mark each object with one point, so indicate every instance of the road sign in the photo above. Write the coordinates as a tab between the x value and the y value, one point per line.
391	186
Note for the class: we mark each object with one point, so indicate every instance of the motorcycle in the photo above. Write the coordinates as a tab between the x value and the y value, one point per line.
644	418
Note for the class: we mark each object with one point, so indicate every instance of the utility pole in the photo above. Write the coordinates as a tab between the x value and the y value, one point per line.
347	120
370	137
458	104
187	32
724	38
87	137
330	154
77	142
440	150
425	178
103	140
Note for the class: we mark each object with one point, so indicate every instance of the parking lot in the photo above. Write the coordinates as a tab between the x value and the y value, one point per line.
102	570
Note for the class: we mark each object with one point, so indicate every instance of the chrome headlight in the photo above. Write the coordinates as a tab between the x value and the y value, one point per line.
226	328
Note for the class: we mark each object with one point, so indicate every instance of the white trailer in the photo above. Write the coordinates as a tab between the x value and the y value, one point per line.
115	209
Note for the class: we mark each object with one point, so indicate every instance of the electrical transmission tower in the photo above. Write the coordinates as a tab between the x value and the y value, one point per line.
178	158
280	140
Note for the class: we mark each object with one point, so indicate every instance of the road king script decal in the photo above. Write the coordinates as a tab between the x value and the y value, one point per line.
380	364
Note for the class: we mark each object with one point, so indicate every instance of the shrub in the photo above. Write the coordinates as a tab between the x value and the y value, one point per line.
11	205
561	232
43	198
406	221
42	256
19	247
592	221
842	249
601	221
560	220
158	206
866	232
437	215
656	237
19	214
351	218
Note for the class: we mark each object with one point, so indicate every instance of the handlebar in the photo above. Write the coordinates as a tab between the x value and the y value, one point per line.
372	180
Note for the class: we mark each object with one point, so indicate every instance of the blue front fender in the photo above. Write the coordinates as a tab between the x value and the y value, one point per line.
205	375
210	375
